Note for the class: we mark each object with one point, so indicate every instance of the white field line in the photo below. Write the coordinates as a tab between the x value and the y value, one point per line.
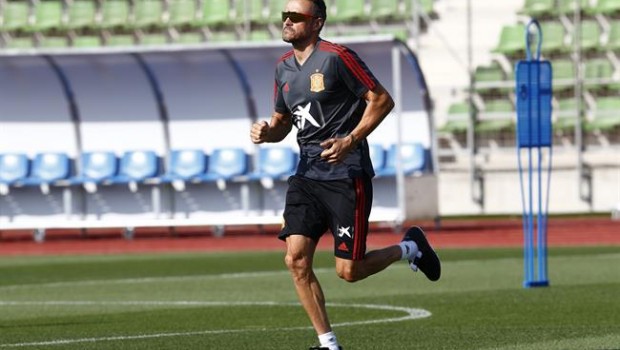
193	278
410	314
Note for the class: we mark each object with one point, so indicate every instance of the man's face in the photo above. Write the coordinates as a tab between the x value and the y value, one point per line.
300	22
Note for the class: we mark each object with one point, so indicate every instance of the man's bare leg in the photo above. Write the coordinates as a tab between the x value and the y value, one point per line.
373	262
299	257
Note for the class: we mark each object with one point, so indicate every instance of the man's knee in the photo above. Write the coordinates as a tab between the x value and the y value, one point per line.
299	264
349	272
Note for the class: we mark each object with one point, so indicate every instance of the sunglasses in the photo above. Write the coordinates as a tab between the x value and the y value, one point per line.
296	17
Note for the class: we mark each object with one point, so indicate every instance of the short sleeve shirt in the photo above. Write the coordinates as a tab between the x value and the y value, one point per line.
324	97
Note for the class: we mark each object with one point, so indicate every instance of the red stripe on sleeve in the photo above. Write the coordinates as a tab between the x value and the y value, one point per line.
351	62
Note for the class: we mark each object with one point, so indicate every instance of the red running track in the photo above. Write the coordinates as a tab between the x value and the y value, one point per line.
453	234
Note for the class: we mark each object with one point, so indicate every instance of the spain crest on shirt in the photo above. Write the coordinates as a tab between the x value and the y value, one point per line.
316	82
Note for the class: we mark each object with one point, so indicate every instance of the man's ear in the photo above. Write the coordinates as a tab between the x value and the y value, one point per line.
319	23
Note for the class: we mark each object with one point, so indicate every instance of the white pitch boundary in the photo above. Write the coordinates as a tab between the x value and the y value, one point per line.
410	314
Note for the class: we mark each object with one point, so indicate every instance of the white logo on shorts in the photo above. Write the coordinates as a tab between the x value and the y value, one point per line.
344	231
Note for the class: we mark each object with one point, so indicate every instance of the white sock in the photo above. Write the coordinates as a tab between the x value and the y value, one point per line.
409	250
328	340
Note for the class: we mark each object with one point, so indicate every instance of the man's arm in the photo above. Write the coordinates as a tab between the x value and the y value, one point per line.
379	105
275	131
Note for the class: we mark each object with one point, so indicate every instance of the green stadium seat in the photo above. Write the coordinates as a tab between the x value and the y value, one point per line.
563	74
598	73
605	7
121	40
347	11
488	78
82	15
457	120
260	35
613	40
47	16
252	11
182	13
222	36
498	115
115	14
512	40
190	38
20	42
385	10
590	35
553	38
275	11
148	14
606	115
153	39
566	115
567	7
15	16
216	13
538	8
54	42
86	41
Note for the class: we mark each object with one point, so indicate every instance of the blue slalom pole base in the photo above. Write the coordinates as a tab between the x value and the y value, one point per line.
533	284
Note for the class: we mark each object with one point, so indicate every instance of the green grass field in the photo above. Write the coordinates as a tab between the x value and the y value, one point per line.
246	301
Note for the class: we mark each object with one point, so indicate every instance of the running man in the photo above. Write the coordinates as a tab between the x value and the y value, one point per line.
328	93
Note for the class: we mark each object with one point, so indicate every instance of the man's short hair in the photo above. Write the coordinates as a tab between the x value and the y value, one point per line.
320	8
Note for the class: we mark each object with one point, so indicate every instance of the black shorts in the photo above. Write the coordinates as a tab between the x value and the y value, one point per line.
343	206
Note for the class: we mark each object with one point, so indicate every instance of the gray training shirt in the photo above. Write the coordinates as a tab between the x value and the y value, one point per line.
324	98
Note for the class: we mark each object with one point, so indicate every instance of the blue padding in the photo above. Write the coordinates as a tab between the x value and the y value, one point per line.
185	164
226	163
413	159
377	156
534	94
13	168
275	162
98	167
48	168
137	166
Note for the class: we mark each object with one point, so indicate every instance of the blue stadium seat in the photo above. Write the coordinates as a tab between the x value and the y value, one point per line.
184	165
48	169
137	167
413	159
274	163
377	156
97	168
225	164
14	168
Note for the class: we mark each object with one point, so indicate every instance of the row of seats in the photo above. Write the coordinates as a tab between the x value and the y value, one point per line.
82	23
558	41
47	15
554	8
184	166
52	15
501	115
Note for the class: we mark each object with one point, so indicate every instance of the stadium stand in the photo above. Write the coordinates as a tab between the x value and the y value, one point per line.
188	21
274	164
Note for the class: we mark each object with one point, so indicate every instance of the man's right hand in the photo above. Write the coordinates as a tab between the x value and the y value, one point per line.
259	132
